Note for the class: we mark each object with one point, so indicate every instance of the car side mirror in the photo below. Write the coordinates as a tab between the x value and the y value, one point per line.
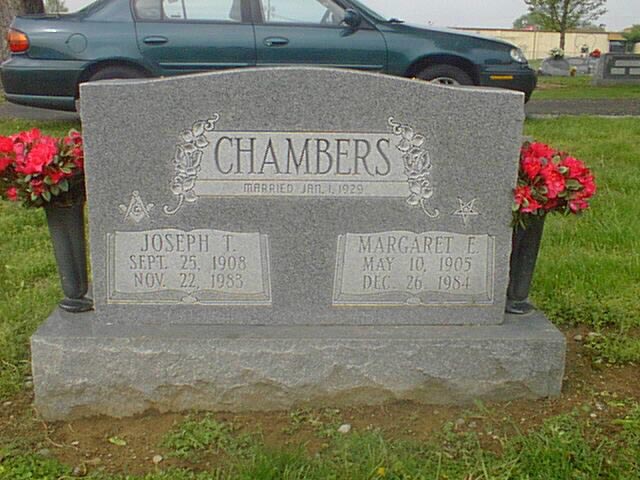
352	18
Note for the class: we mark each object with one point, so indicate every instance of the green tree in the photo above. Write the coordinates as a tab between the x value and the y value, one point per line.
590	27
526	21
563	15
632	36
55	6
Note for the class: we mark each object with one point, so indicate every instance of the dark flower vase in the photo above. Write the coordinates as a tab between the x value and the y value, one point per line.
66	227
526	244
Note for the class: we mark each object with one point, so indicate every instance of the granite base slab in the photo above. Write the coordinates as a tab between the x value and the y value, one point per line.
83	368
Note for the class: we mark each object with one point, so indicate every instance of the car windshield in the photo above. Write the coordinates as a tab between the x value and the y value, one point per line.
369	11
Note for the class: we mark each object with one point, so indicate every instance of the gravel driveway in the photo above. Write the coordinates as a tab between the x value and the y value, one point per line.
605	107
11	110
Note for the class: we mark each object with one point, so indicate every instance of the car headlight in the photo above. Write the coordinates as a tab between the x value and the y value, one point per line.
518	56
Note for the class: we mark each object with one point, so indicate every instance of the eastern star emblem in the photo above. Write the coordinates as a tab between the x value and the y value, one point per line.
137	209
466	210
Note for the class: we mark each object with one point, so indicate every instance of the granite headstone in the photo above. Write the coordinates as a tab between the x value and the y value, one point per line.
557	67
617	69
265	238
583	65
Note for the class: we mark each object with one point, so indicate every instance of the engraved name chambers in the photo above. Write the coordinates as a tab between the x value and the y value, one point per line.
301	164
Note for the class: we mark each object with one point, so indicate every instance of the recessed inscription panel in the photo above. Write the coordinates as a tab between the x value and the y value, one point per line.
402	268
208	267
627	63
212	163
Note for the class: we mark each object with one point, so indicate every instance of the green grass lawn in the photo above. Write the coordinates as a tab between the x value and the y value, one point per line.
588	275
28	279
574	88
589	270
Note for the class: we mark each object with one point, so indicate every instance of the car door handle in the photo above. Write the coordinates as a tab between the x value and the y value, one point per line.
276	41
155	40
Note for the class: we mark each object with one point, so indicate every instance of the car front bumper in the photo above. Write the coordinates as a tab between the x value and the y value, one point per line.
522	79
41	83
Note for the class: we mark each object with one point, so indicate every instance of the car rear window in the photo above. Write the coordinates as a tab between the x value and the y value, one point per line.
105	11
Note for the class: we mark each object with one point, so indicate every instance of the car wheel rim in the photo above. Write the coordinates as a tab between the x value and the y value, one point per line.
445	81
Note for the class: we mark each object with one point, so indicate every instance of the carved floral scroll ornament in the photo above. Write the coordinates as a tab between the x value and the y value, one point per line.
188	161
417	165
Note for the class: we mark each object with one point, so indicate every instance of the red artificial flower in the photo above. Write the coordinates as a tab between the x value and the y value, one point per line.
589	185
41	154
6	145
575	167
28	136
553	179
525	200
56	176
12	194
551	204
550	181
78	157
33	164
531	166
4	163
578	204
74	138
19	151
37	187
540	150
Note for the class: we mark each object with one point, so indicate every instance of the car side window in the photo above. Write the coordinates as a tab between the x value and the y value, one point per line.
207	10
148	9
320	12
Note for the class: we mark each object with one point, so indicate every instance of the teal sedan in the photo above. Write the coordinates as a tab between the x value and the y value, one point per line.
51	55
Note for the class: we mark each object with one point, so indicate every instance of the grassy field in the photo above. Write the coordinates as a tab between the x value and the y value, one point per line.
587	280
580	88
589	270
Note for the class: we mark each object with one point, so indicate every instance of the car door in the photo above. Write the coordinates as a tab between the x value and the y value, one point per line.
311	32
182	36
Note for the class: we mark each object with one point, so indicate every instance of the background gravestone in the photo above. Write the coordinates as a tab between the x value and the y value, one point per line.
263	238
583	65
617	69
558	67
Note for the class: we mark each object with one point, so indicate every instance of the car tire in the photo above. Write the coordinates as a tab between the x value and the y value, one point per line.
112	72
116	71
445	75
